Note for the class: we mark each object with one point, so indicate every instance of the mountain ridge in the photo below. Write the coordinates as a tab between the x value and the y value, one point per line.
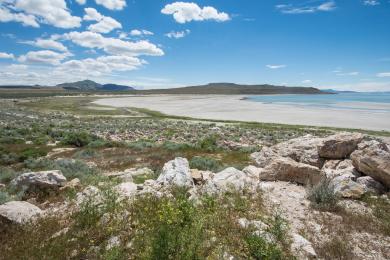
219	88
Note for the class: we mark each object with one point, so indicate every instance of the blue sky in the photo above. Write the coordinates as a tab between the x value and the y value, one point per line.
159	44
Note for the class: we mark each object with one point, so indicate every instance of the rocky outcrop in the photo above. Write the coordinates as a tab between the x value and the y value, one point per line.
227	180
339	146
176	172
126	189
39	180
17	212
286	169
303	149
335	168
373	159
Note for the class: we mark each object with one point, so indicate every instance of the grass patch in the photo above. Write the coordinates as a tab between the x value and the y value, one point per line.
205	164
147	228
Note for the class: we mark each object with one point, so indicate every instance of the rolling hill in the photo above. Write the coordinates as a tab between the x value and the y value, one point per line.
235	89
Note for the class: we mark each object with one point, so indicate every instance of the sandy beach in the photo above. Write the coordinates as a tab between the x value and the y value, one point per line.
234	108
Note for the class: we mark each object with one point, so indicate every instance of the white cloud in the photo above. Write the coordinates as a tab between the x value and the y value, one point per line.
306	81
113	46
371	2
43	57
101	65
4	55
276	66
81	2
53	12
186	12
302	9
137	32
105	24
383	74
112	4
48	44
353	73
25	19
91	14
177	35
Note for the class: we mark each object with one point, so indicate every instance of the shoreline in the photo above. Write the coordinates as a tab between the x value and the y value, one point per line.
233	107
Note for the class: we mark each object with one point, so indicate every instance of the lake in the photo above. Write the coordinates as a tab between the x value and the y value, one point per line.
374	102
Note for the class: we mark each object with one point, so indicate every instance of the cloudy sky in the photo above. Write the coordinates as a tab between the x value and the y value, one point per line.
159	43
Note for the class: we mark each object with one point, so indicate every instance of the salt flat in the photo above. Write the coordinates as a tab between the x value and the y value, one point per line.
232	107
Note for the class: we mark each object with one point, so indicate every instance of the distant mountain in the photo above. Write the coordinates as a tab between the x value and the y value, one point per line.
114	87
235	89
89	85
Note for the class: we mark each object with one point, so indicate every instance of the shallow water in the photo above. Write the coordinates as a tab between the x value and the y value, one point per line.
374	102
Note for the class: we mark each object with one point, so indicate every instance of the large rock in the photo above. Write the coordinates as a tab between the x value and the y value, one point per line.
335	168
370	185
302	248
303	149
346	187
286	169
339	146
129	174
253	172
264	157
40	180
227	180
126	189
176	172
90	194
373	159
17	212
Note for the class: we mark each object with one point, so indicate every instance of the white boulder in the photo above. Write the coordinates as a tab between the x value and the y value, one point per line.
227	180
176	172
126	189
18	212
40	180
373	159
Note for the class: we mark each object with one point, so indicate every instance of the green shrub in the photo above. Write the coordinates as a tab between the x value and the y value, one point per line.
4	197
260	248
104	143
322	196
8	158
11	140
141	145
170	229
31	152
205	164
171	146
208	143
78	139
86	154
6	175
